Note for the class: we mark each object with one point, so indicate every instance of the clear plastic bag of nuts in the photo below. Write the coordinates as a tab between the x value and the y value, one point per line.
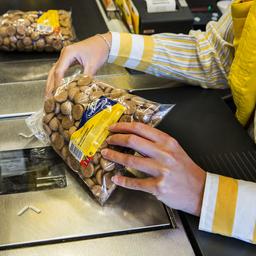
76	120
36	30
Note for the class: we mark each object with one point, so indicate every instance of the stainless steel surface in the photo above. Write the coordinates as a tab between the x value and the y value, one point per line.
34	70
71	211
10	139
162	243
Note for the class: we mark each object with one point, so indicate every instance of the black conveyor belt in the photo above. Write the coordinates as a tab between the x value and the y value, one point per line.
209	132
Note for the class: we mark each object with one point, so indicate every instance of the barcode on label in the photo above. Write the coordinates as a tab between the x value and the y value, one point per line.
76	152
44	28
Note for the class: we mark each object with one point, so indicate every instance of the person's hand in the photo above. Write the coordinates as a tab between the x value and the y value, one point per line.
91	53
174	178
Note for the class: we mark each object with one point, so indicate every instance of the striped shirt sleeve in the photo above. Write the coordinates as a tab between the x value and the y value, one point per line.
199	58
229	208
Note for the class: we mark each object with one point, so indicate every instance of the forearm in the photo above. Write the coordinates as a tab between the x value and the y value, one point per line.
201	58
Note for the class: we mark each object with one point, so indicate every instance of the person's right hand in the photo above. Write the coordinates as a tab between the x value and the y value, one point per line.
91	53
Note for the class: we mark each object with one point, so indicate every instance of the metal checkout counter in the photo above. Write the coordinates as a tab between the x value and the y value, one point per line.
67	220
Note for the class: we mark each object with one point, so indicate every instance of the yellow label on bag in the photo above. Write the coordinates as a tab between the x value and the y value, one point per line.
94	128
48	21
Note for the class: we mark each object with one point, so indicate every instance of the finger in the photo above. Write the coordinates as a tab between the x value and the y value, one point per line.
148	185
143	164
67	58
145	131
87	69
50	82
139	144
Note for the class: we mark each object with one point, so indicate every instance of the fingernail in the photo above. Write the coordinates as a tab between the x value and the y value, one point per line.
108	139
114	179
104	152
112	126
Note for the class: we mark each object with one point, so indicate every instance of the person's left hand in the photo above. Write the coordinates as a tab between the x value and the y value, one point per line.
174	178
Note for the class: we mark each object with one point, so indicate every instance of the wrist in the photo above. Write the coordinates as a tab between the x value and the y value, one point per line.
107	39
200	192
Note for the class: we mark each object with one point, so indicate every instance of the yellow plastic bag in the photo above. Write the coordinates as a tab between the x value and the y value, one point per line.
242	76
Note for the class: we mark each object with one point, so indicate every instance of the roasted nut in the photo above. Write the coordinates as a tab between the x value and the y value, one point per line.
77	111
67	122
72	92
49	105
47	129
81	98
143	115
71	130
35	35
151	106
99	176
61	97
108	90
87	171
60	116
96	158
66	108
127	96
106	165
65	152
116	93
85	89
47	118
77	124
3	31
97	167
57	108
57	140
84	80
21	29
40	43
96	190
10	31
72	85
13	39
103	86
65	32
26	22
27	41
130	107
54	124
89	182
49	39
20	45
64	22
106	180
126	118
57	45
6	41
138	100
155	119
95	95
66	135
73	163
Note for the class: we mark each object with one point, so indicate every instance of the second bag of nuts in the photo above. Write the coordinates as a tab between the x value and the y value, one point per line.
76	119
36	30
